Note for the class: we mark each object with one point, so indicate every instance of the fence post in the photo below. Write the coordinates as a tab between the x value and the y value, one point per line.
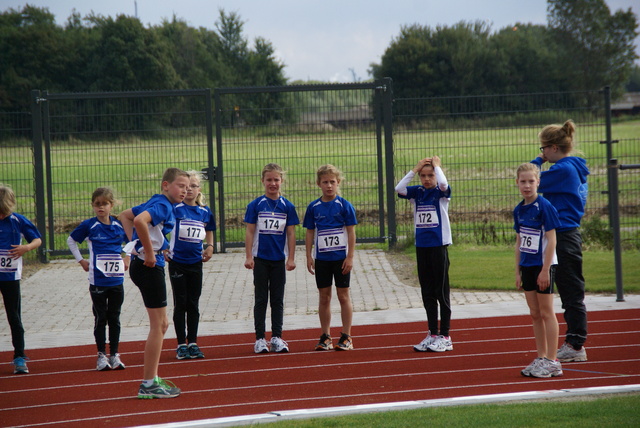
614	220
38	172
387	112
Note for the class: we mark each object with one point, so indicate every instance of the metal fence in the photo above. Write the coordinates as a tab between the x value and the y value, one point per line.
482	140
126	140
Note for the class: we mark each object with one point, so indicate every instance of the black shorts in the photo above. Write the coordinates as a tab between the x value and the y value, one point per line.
151	282
529	277
328	271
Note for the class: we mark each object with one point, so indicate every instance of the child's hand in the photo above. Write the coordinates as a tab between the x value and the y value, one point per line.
18	251
249	263
291	265
543	280
435	161
347	265
421	164
311	267
84	264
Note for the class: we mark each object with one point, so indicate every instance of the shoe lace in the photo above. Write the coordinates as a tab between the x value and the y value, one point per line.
165	383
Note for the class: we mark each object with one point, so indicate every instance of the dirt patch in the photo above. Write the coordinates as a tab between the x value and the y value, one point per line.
404	267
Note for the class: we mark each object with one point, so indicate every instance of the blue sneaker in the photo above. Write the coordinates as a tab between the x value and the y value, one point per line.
194	351
182	352
20	365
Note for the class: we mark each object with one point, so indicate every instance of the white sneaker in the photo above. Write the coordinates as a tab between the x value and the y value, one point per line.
422	346
279	345
527	370
547	368
261	347
115	363
441	344
103	362
566	353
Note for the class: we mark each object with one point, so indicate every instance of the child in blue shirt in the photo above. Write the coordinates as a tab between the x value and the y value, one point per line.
564	184
535	221
105	236
13	228
270	244
194	224
430	203
330	245
147	225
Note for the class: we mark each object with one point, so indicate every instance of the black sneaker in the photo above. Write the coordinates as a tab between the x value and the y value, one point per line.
325	343
345	343
160	389
194	351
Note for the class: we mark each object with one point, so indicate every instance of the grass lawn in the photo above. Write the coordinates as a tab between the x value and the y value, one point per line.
492	268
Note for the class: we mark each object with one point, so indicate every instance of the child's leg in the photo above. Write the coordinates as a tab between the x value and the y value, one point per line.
114	307
441	273
261	287
278	278
539	331
158	325
428	287
324	309
346	309
551	328
12	303
99	298
179	290
194	291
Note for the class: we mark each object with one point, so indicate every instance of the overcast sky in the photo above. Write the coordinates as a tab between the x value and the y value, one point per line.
319	40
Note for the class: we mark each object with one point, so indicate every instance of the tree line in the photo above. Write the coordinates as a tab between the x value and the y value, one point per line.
583	47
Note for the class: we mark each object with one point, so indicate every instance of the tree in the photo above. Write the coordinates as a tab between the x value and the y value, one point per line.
597	46
31	55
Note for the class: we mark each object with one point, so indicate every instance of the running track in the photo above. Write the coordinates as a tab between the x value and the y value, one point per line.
63	388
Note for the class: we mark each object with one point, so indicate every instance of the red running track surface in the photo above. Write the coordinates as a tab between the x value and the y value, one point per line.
64	389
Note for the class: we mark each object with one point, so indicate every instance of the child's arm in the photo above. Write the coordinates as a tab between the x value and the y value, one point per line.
291	243
73	247
248	245
19	250
126	219
347	265
208	253
440	177
141	224
308	246
544	278
518	277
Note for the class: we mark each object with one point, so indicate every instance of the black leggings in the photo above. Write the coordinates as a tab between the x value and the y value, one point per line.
433	273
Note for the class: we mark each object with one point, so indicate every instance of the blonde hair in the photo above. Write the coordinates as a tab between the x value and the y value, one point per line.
105	193
7	200
198	176
273	167
170	174
528	167
559	135
328	169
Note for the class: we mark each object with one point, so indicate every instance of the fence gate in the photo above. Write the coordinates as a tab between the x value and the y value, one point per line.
301	128
123	140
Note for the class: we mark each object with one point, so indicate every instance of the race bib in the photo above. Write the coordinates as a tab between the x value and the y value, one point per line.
271	223
529	240
111	265
426	216
191	231
331	240
7	264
